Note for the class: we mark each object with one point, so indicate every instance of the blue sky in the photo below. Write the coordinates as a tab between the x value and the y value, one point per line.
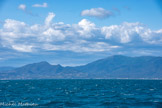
75	32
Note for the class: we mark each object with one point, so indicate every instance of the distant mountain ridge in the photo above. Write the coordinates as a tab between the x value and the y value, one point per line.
112	67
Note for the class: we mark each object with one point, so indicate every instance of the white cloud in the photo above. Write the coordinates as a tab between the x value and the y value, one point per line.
22	7
86	28
84	36
44	5
96	12
22	48
13	25
81	46
49	18
53	35
130	32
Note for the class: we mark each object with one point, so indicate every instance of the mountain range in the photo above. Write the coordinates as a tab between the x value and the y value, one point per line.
112	67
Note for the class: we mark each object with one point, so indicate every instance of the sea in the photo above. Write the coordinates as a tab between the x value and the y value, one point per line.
81	93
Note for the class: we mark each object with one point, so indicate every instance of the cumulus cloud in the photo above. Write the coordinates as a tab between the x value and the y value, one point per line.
49	18
22	7
86	28
44	5
13	25
96	12
131	32
84	36
53	35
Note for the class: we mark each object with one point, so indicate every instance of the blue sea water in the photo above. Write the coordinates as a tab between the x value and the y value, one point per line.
99	93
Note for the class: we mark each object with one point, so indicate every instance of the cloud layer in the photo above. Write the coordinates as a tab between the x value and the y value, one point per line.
83	37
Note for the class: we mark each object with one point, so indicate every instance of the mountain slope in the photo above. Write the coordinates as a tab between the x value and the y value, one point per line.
125	67
111	67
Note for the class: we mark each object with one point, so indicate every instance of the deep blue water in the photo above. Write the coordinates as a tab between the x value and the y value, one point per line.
82	93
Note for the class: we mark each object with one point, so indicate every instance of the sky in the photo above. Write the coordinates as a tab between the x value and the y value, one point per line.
77	32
